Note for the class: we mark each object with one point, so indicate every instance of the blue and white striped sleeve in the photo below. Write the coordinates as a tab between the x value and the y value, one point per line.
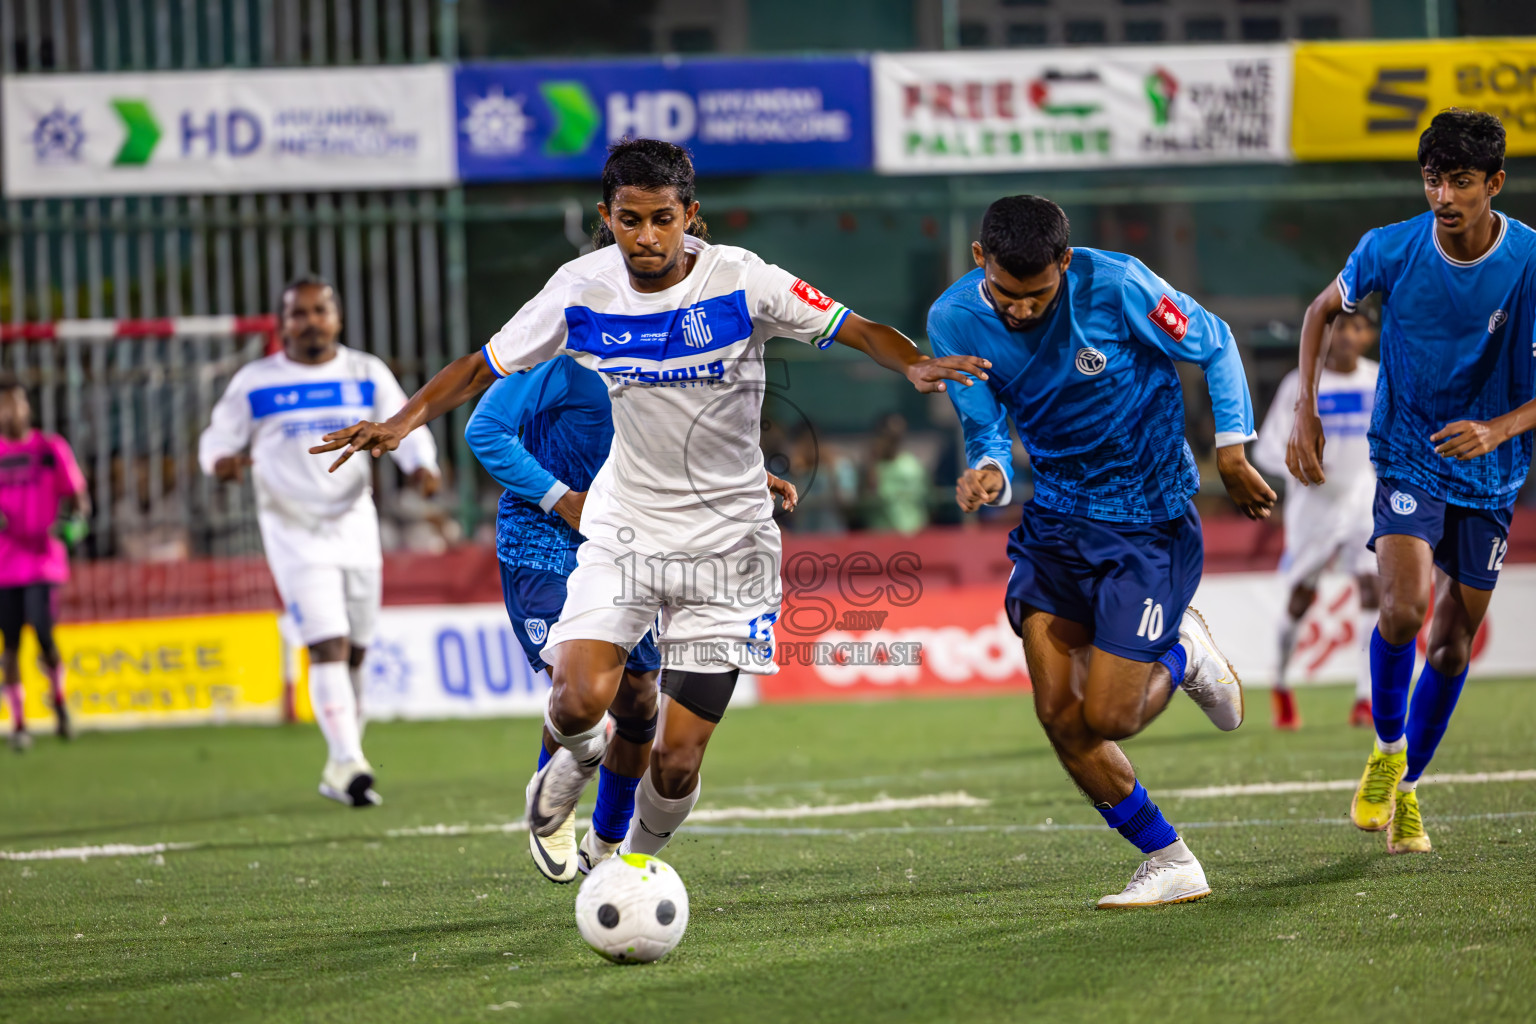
535	334
1362	271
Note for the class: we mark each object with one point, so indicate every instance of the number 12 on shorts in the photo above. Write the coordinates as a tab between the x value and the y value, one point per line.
1151	620
1496	554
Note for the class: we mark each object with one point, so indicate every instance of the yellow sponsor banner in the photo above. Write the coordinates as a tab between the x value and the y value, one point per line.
181	671
1370	101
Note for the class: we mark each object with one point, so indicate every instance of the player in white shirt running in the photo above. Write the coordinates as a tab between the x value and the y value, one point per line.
1332	522
320	530
679	519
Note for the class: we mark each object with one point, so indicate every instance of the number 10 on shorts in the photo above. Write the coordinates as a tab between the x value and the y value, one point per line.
1151	620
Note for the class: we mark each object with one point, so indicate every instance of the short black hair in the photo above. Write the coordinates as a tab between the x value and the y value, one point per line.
1463	140
1024	234
308	280
648	164
651	165
10	382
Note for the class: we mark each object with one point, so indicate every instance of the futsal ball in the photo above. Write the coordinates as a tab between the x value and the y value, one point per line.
632	909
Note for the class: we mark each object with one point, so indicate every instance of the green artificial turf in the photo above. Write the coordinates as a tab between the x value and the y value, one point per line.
292	908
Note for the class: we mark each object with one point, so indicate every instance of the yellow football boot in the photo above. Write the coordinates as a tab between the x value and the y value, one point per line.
1408	835
1375	797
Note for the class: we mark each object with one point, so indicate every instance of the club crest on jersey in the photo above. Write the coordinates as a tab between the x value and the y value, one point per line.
537	629
1497	320
1404	504
1090	362
1170	319
811	297
622	339
696	331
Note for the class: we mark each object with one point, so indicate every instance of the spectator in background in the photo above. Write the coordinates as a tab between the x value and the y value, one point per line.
828	483
896	483
38	474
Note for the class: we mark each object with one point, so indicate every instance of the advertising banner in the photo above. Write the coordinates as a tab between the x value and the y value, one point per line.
227	131
942	113
143	672
522	121
957	641
1370	101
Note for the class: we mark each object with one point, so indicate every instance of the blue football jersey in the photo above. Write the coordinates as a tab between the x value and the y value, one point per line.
1093	390
1458	340
538	433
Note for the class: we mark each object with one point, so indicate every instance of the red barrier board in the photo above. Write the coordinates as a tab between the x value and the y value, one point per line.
952	641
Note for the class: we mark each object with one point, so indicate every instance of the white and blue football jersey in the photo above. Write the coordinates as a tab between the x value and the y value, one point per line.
279	409
1458	341
685	372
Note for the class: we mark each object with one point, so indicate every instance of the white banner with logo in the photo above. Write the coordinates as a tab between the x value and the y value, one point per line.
1244	611
228	131
1079	108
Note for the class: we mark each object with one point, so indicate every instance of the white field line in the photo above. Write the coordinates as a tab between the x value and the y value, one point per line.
700	822
907	830
1271	788
87	852
881	806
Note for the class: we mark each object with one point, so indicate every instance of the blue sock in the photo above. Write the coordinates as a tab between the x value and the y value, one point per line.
1391	675
1174	661
615	804
544	755
1434	698
1138	819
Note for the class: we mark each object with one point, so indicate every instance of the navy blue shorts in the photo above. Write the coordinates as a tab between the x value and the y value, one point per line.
1129	583
1469	543
534	599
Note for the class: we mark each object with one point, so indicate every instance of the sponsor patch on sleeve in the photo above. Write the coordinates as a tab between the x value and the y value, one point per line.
811	297
1171	319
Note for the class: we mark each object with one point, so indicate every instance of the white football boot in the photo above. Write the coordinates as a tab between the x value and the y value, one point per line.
1169	875
552	795
593	851
555	855
1209	678
350	783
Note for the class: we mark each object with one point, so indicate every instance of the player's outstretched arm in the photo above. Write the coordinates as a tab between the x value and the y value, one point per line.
1304	451
895	351
455	384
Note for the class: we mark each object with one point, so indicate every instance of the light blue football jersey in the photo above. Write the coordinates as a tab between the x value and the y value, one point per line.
1093	390
1458	341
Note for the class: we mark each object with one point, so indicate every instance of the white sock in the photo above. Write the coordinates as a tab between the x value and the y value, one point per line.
1174	853
1397	746
355	673
1287	648
1408	785
1366	624
330	693
587	746
656	818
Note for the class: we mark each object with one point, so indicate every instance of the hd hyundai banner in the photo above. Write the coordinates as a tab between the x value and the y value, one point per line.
522	121
1030	110
227	131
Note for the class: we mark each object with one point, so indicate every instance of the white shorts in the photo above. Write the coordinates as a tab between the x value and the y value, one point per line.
1320	532
325	601
717	610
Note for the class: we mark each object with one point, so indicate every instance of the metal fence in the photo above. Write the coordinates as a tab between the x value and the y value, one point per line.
133	408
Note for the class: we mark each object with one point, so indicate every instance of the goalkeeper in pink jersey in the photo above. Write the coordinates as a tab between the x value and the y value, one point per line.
38	478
